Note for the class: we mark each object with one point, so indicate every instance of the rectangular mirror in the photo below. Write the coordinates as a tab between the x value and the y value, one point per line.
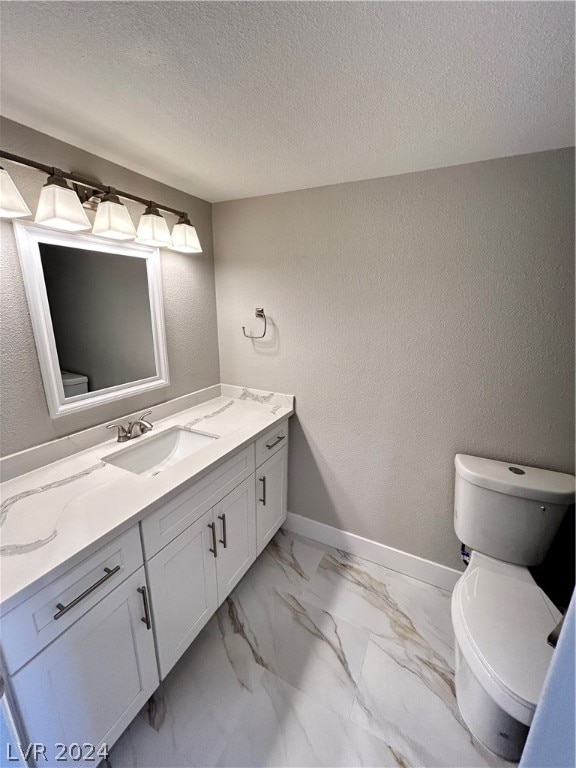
97	315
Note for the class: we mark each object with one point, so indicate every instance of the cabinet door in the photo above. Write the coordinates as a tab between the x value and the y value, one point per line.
271	491
89	684
182	579
235	523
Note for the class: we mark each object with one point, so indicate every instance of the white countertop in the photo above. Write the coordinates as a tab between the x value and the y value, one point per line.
55	516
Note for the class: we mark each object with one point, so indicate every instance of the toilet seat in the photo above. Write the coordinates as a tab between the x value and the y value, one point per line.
501	622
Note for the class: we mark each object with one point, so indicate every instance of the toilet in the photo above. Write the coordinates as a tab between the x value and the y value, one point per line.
507	515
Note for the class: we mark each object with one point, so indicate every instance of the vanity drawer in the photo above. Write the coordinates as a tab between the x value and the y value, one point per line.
32	625
271	442
163	525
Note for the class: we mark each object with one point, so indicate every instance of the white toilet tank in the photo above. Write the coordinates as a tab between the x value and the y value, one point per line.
74	383
508	511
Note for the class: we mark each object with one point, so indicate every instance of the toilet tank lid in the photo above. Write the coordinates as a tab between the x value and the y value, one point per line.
73	378
516	479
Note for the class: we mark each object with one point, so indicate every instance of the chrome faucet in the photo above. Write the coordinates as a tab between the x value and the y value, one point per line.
133	428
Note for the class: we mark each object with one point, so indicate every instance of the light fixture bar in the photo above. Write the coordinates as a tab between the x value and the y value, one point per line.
83	181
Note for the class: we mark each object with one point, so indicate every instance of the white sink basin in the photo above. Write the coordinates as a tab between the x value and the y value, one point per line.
154	454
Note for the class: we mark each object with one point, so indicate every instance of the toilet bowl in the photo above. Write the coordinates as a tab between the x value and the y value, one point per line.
501	621
507	515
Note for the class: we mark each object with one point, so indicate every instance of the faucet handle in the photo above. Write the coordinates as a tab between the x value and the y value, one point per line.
145	426
122	432
139	427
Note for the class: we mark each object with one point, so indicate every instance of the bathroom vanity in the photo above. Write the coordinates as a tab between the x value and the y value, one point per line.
108	573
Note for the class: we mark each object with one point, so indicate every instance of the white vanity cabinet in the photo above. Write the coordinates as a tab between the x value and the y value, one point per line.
271	491
235	528
174	516
183	590
85	688
194	574
271	455
197	553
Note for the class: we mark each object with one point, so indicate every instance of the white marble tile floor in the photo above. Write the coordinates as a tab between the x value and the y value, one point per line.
317	658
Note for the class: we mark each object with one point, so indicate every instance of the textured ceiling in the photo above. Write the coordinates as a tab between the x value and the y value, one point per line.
229	100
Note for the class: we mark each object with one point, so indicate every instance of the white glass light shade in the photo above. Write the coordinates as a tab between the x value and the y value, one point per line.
185	238
60	207
113	220
153	229
12	204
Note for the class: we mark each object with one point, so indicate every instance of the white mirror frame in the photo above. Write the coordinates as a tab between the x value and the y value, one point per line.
28	238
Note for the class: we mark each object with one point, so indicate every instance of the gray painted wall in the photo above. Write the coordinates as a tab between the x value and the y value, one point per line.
414	317
189	300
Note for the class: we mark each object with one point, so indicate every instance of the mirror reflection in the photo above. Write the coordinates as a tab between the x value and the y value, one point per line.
100	309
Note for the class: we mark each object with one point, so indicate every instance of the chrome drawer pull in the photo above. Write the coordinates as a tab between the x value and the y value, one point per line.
62	609
146	618
223	539
278	440
263	499
213	548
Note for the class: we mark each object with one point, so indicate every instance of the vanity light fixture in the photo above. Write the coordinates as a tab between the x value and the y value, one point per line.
184	237
113	218
59	205
153	229
63	207
12	205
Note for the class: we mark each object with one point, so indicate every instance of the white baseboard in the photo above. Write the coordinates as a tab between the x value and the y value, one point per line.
411	565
